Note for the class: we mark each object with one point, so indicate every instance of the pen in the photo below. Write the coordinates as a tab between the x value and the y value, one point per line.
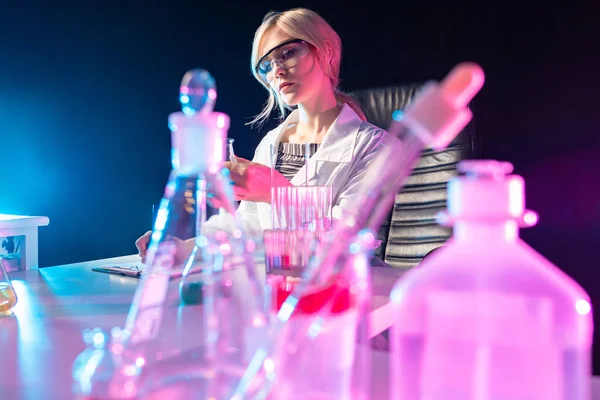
131	271
135	271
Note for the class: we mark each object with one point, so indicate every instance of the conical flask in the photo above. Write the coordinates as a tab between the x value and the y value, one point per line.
176	337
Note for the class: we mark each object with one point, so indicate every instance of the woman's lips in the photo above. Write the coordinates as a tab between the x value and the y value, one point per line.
284	87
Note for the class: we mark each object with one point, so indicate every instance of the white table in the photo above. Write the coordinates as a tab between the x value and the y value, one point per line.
39	343
27	226
383	279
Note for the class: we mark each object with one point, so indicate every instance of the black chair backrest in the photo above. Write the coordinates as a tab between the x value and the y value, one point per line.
410	231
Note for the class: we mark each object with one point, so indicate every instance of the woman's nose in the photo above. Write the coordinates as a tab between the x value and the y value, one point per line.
278	68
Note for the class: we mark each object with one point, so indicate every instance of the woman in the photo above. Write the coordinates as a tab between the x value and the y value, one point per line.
296	56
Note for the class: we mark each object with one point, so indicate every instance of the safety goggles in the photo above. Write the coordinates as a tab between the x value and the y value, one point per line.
286	55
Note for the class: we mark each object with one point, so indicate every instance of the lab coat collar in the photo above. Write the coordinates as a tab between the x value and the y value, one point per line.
340	139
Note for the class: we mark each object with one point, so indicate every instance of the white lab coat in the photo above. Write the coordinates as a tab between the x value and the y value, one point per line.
347	150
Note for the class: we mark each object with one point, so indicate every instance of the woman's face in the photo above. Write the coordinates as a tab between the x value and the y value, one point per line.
290	67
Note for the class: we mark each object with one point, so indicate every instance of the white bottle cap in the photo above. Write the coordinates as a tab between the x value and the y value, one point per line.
488	192
198	141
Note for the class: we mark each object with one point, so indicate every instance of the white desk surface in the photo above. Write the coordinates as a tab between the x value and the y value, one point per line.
40	341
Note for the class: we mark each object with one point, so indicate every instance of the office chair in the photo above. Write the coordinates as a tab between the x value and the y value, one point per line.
410	232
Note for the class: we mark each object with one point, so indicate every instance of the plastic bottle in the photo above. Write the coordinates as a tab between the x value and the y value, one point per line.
486	317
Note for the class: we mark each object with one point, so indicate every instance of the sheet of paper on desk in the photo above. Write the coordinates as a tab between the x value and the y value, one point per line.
258	258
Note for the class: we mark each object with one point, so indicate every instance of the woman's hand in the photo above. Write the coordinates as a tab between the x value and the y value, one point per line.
183	248
253	180
142	245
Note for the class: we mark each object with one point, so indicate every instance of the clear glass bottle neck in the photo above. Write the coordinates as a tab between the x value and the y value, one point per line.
483	231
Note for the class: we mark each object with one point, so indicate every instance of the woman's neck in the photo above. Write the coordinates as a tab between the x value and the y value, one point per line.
319	111
314	120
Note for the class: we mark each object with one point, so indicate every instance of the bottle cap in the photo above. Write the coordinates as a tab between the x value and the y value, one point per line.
198	134
487	191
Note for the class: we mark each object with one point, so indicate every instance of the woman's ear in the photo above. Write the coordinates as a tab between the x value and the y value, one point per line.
328	52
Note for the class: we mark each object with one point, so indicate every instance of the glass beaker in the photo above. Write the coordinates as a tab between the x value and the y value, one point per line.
8	297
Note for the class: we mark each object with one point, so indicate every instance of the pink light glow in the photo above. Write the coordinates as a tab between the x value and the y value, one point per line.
221	121
530	218
583	307
516	198
218	149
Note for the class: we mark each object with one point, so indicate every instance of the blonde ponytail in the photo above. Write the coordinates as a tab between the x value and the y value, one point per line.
347	98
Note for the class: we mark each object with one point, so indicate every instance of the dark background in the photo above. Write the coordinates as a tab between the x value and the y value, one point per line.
86	88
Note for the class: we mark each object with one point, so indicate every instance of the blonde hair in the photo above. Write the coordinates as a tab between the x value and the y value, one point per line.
307	25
